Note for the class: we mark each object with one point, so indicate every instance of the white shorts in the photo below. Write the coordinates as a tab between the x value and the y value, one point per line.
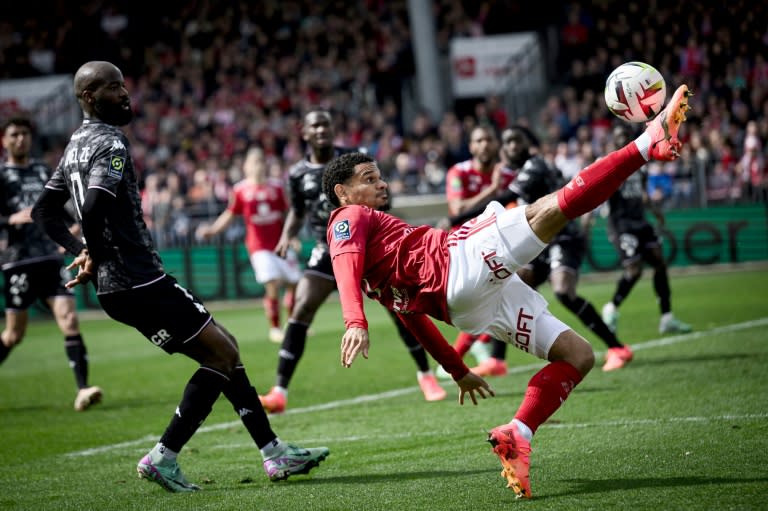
269	266
485	295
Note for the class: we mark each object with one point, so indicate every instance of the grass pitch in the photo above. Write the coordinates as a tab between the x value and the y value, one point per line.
684	426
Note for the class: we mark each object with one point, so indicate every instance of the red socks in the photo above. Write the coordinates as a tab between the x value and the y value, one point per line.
272	310
462	343
546	391
289	300
596	183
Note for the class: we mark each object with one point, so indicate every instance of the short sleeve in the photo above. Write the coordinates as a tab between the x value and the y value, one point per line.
108	166
57	181
454	184
236	203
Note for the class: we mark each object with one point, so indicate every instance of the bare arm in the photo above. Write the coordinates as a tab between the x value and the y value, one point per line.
221	223
291	228
458	206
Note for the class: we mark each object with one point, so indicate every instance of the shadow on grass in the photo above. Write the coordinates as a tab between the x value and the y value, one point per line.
363	479
587	486
715	357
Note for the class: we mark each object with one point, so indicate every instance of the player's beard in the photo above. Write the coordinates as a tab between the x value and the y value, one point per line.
113	113
387	205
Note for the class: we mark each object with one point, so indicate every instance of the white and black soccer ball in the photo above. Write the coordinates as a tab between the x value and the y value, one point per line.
635	92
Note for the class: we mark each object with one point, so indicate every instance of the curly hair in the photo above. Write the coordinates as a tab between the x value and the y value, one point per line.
339	170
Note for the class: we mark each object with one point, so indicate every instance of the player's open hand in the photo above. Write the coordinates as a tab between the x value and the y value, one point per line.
471	383
22	216
85	268
355	341
282	247
203	232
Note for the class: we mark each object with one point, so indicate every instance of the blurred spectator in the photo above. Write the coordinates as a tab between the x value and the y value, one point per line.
209	78
659	185
751	169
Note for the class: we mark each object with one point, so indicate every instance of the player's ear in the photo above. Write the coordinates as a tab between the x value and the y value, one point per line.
87	96
340	192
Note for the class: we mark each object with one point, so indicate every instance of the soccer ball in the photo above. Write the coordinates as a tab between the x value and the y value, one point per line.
635	92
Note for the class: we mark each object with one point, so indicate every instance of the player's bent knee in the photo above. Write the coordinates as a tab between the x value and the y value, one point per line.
633	271
12	338
224	360
572	348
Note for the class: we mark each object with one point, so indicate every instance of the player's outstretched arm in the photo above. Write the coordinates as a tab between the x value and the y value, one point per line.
293	223
205	231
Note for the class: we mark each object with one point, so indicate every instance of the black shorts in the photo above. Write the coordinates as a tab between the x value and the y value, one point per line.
163	311
320	263
633	244
26	283
566	255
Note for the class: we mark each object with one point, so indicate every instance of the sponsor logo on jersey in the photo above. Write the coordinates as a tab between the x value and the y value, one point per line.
341	230
116	165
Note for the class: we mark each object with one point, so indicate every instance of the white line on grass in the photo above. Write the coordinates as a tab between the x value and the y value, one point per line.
664	341
569	425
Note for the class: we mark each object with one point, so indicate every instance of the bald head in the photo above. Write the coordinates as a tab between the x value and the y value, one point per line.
92	75
317	115
100	90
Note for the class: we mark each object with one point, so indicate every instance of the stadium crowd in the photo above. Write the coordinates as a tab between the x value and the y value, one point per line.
209	79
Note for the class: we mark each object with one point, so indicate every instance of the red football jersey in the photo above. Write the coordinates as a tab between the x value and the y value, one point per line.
263	208
464	181
403	266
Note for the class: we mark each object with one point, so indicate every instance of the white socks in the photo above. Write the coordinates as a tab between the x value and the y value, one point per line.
272	449
523	429
643	143
161	453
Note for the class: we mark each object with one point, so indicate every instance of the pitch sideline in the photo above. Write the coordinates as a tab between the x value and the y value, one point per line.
664	341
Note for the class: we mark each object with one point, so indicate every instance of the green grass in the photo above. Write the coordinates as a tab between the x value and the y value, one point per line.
685	426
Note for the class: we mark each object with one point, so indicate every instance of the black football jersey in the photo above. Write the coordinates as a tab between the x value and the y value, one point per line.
20	186
627	204
536	179
305	189
97	156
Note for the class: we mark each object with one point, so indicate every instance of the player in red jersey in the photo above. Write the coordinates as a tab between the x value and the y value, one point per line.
467	184
263	206
468	278
480	178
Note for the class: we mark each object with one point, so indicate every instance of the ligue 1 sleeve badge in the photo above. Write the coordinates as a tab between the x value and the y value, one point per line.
341	230
116	164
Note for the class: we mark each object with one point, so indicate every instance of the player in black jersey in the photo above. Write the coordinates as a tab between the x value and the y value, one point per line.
33	268
308	203
96	172
637	243
560	261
